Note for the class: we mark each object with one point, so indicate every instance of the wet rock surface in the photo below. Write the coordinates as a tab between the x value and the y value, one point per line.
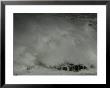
70	67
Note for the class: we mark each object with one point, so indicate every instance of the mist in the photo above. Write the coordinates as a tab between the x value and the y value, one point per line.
47	40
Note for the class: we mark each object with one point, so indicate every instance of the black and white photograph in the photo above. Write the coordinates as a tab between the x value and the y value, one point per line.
55	44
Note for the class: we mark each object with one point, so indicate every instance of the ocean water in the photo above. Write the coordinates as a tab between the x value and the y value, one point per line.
43	41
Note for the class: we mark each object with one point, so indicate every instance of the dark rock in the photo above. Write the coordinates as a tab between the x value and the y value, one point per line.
64	68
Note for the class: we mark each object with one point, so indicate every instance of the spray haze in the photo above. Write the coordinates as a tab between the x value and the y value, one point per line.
54	39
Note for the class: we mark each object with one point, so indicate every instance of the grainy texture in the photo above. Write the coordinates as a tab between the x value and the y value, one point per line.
36	0
53	44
